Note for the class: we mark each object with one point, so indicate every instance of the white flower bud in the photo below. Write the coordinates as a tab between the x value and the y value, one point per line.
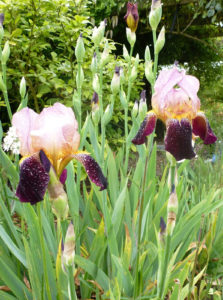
155	15
115	83
69	247
123	99
125	54
96	84
107	114
94	63
135	109
98	33
131	36
133	74
142	105
160	41
22	88
147	54
5	53
105	56
80	50
149	71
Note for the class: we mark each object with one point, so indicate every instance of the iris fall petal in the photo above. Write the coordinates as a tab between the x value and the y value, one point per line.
146	128
92	168
178	139
33	181
202	129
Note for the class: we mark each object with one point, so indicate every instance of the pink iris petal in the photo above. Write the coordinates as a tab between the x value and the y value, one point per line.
24	121
191	85
202	129
146	128
178	139
93	169
33	181
55	132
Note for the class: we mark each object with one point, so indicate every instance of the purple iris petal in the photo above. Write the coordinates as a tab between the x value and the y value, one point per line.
63	176
45	161
146	128
33	180
202	128
93	170
178	139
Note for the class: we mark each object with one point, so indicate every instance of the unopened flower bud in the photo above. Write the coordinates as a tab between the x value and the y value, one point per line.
22	88
162	232
147	54
115	83
69	247
2	17
94	63
96	84
149	71
105	56
125	54
80	50
1	26
155	14
135	109
131	37
95	109
142	105
58	196
172	209
5	53
123	99
160	41
133	74
107	114
80	78
132	16
98	33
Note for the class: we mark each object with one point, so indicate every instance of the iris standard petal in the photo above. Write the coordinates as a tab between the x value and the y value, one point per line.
178	139
24	121
202	129
146	128
33	181
92	168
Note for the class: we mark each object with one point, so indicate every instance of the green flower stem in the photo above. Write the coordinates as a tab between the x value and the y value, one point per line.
43	252
164	260
79	93
59	233
71	285
137	287
5	92
127	147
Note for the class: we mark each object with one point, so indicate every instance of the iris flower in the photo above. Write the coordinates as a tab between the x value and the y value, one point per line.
49	139
132	16
175	102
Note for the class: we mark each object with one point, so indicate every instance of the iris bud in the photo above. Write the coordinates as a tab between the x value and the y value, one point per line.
149	71
131	37
155	14
80	50
123	99
22	88
142	105
105	56
115	83
160	41
107	114
5	53
96	84
133	74
135	109
69	247
125	53
147	54
94	63
80	78
98	33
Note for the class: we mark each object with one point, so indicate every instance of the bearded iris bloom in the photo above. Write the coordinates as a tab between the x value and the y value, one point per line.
132	16
49	139
175	102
